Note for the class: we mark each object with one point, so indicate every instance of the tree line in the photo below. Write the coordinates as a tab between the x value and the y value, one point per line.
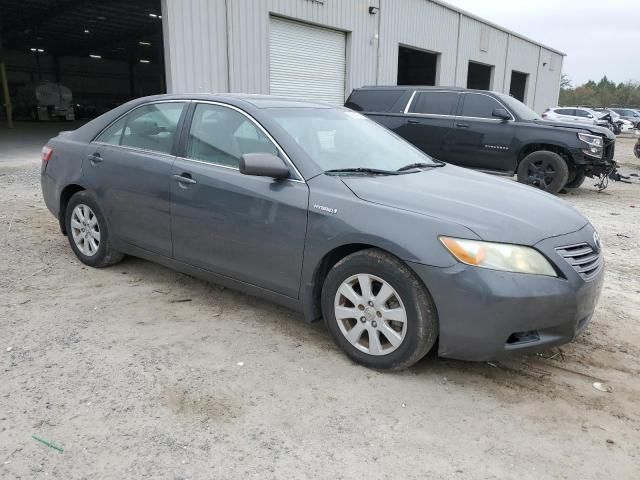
604	93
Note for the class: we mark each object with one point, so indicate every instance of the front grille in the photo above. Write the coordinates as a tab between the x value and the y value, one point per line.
583	258
609	149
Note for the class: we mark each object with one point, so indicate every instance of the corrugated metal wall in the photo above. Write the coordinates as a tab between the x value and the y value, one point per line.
223	45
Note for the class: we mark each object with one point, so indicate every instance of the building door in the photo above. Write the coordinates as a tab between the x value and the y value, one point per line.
306	62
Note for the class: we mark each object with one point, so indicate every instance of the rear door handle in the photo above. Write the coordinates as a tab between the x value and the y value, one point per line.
184	179
462	125
95	158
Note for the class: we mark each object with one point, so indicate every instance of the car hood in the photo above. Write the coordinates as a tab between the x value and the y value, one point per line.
595	129
496	209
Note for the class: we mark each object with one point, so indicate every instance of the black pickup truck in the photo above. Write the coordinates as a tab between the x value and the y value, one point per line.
491	132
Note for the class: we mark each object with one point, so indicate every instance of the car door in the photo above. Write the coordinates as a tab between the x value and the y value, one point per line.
481	140
245	227
128	168
566	114
429	122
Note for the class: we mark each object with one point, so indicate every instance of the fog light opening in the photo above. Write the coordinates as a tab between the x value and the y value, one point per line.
523	337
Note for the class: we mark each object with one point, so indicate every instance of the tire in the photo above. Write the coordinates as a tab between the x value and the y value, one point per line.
412	322
88	232
576	179
545	170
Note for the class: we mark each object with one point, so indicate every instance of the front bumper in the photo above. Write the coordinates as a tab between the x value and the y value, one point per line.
487	314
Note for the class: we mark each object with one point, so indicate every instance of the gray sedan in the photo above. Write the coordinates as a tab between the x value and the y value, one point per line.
327	212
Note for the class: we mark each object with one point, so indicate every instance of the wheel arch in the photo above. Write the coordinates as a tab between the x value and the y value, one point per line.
65	195
312	289
561	150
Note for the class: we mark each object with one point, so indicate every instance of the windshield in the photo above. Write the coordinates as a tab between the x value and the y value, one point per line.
518	108
338	139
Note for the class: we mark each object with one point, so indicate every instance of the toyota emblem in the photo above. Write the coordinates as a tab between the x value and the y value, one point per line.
596	241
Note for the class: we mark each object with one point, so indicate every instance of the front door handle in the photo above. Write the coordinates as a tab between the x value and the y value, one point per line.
462	125
413	122
95	158
184	179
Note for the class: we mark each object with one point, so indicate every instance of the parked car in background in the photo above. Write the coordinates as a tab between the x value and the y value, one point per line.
571	114
327	212
636	149
491	132
628	114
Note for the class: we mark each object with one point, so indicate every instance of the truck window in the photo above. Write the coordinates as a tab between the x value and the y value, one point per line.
373	100
435	103
479	106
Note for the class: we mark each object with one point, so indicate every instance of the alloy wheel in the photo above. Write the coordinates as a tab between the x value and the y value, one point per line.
540	174
85	230
370	314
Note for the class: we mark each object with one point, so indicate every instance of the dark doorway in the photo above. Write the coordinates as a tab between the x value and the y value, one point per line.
479	76
98	54
518	86
416	67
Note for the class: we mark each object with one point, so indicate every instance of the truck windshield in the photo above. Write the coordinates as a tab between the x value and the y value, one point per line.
339	139
518	108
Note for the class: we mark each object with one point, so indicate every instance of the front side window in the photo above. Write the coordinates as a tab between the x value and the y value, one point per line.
583	113
479	106
153	127
222	135
435	103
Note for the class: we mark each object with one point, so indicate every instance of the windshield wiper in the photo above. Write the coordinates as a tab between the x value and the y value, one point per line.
375	171
411	166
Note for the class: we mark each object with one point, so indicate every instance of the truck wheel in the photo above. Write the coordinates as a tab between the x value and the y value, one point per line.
576	179
378	311
544	170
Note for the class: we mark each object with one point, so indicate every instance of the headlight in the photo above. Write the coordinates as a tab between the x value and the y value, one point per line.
499	256
595	144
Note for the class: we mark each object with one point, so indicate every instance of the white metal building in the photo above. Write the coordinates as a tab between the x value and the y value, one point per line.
322	49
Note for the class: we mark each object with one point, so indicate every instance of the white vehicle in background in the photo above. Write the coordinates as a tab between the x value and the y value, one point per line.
572	115
45	101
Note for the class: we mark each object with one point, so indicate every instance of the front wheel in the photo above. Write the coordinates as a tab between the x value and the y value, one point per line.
576	179
545	170
378	311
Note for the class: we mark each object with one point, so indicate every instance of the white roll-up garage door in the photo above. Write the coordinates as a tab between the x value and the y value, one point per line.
306	62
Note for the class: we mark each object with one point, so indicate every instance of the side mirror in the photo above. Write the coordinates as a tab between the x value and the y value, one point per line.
263	165
501	113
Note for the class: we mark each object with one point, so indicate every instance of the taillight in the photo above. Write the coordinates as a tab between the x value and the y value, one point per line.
544	115
47	151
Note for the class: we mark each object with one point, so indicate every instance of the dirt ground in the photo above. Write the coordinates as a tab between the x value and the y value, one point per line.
139	372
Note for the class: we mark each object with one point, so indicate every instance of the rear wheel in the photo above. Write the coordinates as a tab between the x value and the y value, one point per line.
545	170
378	311
88	232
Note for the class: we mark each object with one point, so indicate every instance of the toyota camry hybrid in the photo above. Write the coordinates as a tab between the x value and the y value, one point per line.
327	212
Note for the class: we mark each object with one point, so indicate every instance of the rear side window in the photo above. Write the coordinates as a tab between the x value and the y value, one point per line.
222	135
435	103
153	127
479	106
566	111
113	133
373	100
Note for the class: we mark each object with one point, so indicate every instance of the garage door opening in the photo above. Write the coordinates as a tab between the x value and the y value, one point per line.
416	67
76	60
479	76
306	61
518	88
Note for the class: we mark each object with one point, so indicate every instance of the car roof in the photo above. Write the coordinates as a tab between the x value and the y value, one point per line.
425	87
255	100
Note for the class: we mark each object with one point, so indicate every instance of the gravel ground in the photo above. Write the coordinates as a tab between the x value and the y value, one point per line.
140	372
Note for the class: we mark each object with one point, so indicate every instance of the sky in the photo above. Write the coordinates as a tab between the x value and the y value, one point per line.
600	37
